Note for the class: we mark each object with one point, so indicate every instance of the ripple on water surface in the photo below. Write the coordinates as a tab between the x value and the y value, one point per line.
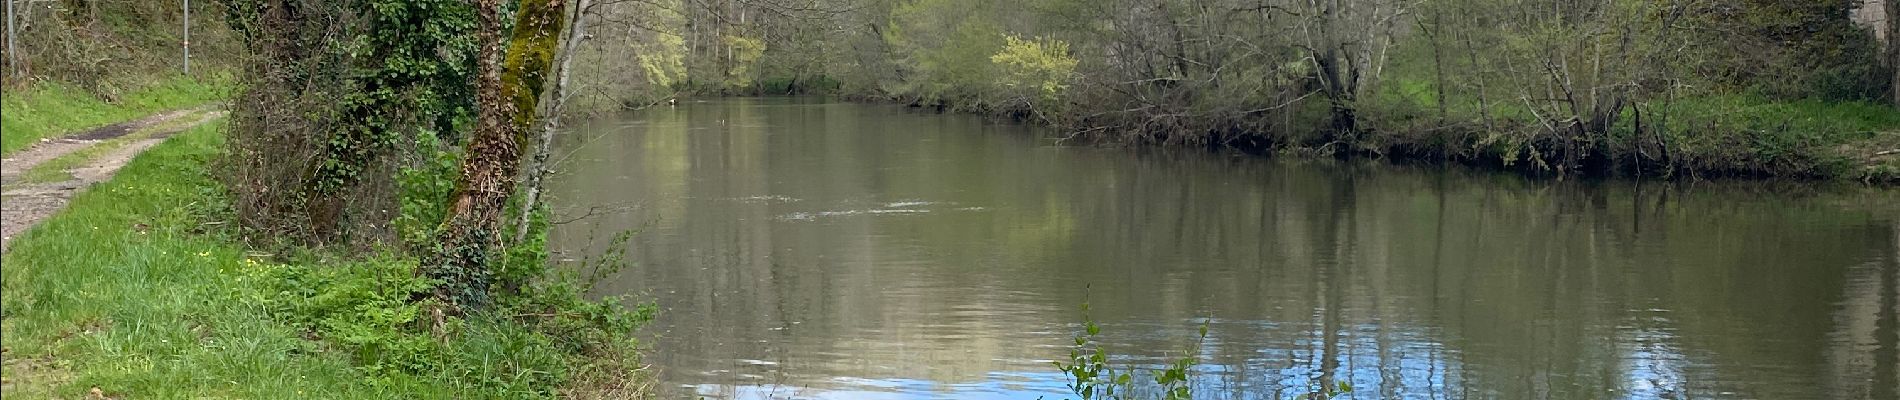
811	249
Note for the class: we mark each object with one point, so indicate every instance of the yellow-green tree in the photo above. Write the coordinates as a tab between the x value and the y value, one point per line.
1035	71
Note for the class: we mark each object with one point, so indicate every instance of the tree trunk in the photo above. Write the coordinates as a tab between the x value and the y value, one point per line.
1339	71
1892	26
551	118
1179	45
507	95
1438	62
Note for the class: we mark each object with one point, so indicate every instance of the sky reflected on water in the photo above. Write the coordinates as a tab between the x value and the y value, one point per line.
808	249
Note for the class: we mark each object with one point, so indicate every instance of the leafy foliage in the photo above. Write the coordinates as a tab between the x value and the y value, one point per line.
1043	65
527	346
425	189
745	52
664	61
1036	72
947	46
384	140
338	98
1092	377
1797	49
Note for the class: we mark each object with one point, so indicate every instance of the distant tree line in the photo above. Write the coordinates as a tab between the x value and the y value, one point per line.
1547	85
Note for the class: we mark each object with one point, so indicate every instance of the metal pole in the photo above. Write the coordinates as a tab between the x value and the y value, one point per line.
11	53
187	37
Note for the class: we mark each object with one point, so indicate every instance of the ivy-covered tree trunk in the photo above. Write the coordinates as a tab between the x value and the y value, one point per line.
507	95
345	160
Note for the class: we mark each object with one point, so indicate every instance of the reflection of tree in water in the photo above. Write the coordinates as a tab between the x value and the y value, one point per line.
1886	379
1407	283
1867	363
1583	298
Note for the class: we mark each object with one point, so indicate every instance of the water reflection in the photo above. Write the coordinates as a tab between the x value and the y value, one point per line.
805	249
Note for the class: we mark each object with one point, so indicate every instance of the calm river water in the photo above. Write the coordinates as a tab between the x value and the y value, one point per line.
805	248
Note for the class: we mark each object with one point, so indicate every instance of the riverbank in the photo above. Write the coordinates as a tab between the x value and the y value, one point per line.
1707	137
142	289
1711	136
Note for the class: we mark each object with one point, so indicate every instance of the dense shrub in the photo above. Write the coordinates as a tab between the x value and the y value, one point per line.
338	100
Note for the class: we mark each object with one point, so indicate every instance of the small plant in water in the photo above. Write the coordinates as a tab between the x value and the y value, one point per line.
1091	377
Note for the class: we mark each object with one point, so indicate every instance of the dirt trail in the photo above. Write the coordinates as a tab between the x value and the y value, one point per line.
26	205
47	150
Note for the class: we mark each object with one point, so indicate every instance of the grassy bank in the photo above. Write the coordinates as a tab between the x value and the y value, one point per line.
140	289
1751	135
51	109
1708	135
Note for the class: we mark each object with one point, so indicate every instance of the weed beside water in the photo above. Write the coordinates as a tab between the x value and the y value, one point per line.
1092	377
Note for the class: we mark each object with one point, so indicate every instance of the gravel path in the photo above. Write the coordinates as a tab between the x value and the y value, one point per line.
26	205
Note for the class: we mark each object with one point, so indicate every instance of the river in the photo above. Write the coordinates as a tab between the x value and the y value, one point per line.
806	248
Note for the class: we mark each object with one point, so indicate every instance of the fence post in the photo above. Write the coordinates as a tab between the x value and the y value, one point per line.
187	37
12	54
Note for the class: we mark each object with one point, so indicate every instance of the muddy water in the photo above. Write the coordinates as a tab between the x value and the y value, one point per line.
810	249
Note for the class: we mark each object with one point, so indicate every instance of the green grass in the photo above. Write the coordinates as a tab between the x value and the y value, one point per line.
50	109
153	312
1825	118
140	289
1707	134
1759	136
